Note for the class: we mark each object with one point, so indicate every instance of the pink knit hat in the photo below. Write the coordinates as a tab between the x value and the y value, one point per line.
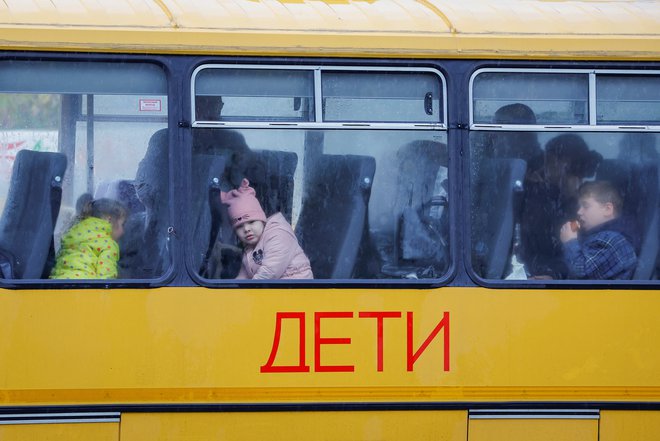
243	205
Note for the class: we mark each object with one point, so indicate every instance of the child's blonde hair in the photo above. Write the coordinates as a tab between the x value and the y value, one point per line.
104	207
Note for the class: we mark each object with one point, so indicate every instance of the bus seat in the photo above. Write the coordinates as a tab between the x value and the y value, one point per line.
638	185
227	143
271	175
493	214
207	213
121	190
419	230
30	214
333	218
144	246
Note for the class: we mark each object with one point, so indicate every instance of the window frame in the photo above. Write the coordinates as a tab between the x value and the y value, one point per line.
319	123
164	64
443	127
592	127
591	105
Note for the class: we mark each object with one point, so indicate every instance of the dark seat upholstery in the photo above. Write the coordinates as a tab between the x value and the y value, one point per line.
30	213
420	215
144	246
271	175
333	218
229	144
493	214
207	211
638	185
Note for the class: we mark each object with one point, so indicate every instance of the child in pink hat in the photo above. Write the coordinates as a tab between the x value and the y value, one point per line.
270	248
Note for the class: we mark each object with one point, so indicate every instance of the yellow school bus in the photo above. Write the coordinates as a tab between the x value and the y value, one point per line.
428	155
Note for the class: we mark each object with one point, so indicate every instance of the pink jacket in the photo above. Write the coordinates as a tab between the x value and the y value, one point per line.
277	255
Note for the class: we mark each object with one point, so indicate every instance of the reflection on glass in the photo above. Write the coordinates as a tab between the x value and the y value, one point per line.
69	152
553	98
625	99
363	204
533	206
254	95
382	97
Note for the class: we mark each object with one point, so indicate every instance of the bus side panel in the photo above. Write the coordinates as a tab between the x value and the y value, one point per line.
629	425
60	432
192	345
533	430
311	426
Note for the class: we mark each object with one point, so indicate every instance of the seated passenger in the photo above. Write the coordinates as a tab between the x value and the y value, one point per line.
550	200
606	245
270	248
522	145
227	143
89	248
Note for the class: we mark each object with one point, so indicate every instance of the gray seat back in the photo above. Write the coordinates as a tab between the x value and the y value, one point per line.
271	175
333	218
493	214
30	212
207	212
420	233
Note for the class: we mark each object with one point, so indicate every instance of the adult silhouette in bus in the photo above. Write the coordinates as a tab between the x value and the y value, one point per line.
144	247
224	256
550	200
507	156
521	144
228	143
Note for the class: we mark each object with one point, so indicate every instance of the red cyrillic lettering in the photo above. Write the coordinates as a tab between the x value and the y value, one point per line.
444	323
379	316
302	367
318	341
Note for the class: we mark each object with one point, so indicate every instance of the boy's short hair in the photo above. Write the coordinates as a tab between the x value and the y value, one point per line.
603	192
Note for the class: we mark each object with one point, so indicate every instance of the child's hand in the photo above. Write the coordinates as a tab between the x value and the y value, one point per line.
567	232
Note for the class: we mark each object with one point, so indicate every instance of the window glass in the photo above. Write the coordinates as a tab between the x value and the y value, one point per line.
254	95
525	188
382	97
142	106
553	98
363	204
72	133
81	77
625	99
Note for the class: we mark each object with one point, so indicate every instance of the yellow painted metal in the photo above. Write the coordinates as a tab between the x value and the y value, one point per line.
60	432
533	430
629	426
204	345
369	28
311	426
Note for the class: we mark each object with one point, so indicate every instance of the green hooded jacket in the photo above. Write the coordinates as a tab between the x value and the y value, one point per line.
87	251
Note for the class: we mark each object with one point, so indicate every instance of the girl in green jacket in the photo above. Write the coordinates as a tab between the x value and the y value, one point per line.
89	248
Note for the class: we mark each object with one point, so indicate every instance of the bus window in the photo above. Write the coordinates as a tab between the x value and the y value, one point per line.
628	99
382	97
364	203
519	205
253	95
536	192
554	98
101	118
